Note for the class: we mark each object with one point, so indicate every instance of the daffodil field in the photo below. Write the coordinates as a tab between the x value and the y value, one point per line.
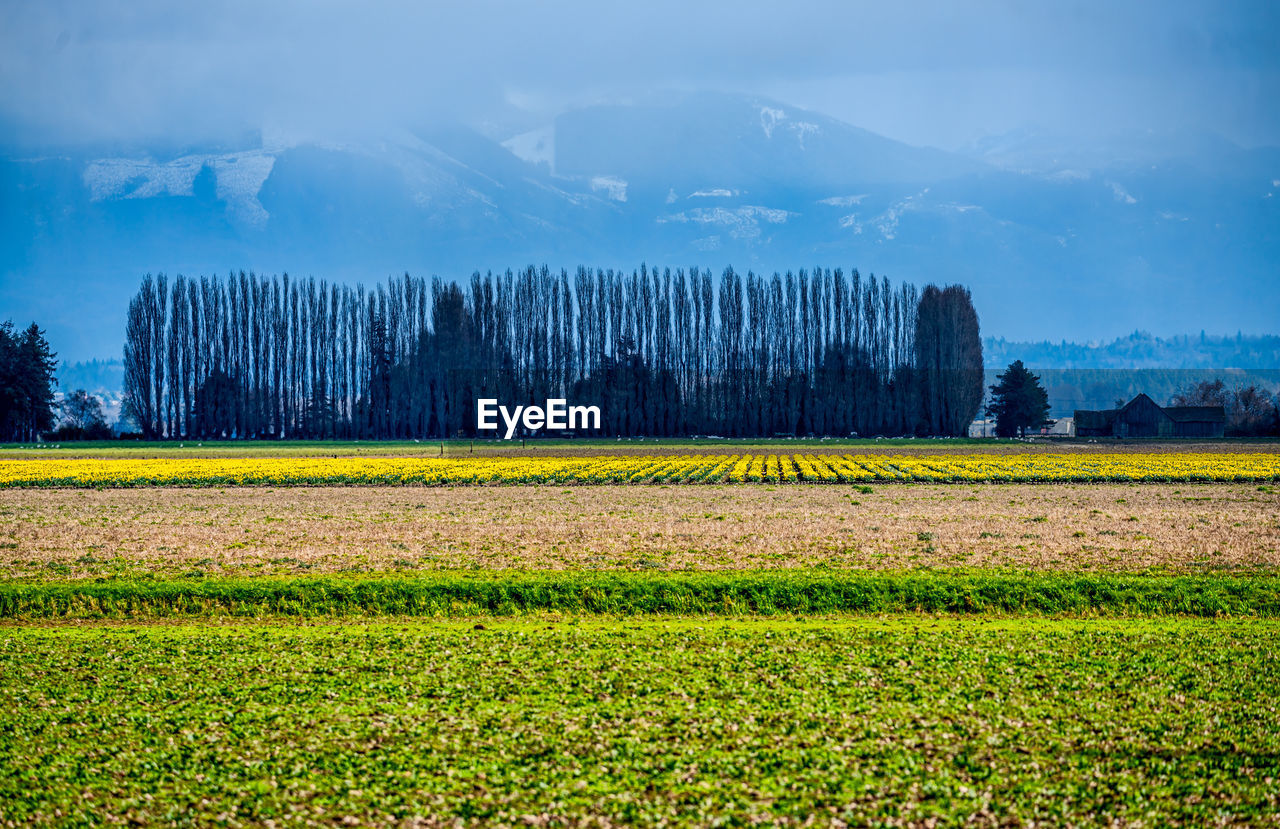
653	469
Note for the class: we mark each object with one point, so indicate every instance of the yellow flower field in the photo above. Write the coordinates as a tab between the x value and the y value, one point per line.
785	468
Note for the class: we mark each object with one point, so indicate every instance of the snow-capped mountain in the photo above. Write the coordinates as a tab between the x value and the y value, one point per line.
1168	235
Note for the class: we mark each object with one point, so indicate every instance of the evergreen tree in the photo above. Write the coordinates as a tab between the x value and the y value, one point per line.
11	400
1018	401
38	376
27	367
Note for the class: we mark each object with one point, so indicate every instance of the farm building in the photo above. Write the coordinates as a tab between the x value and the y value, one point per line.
1142	418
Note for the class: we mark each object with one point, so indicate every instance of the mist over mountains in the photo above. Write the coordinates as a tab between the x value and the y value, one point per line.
1140	350
1170	233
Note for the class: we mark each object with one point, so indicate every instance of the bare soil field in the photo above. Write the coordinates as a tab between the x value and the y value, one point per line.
248	531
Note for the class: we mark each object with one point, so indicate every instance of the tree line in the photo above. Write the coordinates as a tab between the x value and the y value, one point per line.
662	352
1251	411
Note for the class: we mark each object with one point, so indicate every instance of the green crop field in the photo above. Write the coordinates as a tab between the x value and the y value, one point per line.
568	721
484	447
710	655
556	447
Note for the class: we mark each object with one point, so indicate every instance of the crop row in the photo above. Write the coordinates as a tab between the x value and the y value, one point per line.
729	593
734	469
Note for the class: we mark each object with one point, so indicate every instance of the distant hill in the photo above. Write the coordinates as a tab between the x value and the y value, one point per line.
1141	350
1098	375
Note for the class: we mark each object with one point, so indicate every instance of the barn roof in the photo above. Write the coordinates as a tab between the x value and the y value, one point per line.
1143	402
1197	414
1095	420
1178	414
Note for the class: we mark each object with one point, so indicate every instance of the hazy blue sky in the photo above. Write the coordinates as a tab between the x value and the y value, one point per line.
937	73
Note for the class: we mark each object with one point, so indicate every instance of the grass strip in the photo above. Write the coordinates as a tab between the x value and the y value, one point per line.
627	593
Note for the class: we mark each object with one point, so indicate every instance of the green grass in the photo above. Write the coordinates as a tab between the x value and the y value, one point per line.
452	448
507	593
558	446
683	721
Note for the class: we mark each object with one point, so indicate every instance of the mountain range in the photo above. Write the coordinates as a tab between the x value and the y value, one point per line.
1169	233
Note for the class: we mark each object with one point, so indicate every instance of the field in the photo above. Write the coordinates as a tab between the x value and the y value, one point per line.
552	721
81	533
808	468
619	634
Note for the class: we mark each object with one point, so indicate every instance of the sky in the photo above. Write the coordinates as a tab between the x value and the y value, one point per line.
935	73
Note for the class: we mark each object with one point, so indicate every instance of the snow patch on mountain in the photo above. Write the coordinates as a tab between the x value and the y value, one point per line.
141	178
771	118
238	178
804	129
741	223
536	146
887	222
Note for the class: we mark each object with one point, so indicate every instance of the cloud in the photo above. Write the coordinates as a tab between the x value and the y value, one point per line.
148	69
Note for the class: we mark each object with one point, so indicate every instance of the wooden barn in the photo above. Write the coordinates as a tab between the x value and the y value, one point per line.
1142	418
